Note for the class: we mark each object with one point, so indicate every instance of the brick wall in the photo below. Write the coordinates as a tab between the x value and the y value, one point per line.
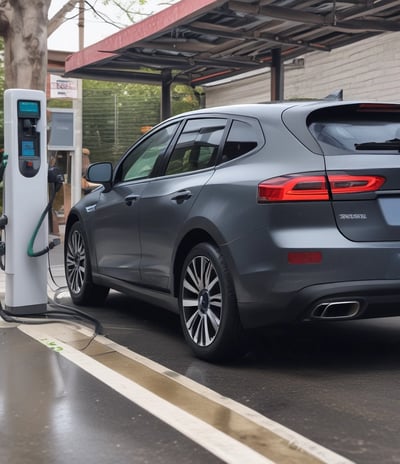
369	69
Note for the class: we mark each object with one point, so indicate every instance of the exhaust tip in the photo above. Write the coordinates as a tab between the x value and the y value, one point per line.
336	310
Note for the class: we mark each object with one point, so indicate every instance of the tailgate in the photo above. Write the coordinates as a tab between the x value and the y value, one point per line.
361	147
372	215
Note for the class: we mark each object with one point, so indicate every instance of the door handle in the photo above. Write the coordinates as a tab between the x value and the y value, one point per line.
129	199
181	196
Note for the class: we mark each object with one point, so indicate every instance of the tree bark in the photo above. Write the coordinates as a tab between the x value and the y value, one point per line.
23	24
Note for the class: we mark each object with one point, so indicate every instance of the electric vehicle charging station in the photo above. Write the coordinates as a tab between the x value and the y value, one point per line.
24	199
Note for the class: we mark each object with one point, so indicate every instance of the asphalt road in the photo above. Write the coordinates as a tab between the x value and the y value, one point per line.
337	384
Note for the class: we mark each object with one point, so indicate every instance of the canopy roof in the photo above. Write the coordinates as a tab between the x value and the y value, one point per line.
200	41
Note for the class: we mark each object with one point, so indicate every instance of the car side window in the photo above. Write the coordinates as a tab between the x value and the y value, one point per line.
141	160
197	146
242	138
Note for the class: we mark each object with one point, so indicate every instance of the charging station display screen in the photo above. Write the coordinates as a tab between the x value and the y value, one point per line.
28	148
28	109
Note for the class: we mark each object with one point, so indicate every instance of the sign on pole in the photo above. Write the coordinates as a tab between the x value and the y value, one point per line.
63	87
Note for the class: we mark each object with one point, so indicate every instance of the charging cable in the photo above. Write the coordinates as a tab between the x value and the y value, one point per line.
54	177
54	316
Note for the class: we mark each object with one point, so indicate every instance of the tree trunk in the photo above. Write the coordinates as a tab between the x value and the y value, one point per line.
25	44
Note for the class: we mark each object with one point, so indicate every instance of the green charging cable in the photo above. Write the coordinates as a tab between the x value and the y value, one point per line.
51	245
58	180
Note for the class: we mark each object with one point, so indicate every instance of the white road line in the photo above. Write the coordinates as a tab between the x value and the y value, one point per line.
216	442
188	424
296	440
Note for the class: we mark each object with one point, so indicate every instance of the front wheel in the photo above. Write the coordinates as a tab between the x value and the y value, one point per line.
78	270
208	308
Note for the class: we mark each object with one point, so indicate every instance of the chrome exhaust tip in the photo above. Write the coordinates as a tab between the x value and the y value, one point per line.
336	310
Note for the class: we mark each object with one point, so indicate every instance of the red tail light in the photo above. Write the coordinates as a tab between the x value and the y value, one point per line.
308	187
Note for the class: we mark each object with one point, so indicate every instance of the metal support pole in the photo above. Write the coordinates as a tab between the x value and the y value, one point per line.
166	93
277	77
76	171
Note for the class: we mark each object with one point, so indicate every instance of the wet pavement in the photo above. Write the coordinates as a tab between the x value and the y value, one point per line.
65	397
336	384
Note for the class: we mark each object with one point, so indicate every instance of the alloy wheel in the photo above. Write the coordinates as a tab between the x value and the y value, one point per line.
201	301
75	262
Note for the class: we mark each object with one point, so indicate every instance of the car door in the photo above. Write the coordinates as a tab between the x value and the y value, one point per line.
116	222
167	201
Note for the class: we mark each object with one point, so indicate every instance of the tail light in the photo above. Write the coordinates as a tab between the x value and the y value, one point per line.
309	187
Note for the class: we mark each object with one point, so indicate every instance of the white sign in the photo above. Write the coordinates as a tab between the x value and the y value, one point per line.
63	87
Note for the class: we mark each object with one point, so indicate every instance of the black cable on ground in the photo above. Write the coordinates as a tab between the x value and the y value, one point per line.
70	315
66	313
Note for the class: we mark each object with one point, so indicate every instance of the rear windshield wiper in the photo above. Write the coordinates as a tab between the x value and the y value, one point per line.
393	144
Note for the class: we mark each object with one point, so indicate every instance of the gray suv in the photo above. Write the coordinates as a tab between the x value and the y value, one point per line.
246	216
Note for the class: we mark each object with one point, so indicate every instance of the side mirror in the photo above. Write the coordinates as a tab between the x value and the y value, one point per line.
100	173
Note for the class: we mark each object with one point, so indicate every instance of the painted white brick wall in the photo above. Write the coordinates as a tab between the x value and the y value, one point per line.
369	69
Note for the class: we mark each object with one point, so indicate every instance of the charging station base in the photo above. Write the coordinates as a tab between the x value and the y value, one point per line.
26	310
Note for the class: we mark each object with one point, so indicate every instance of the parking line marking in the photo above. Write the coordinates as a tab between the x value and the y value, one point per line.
240	434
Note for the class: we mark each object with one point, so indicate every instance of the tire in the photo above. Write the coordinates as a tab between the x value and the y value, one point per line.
208	309
78	270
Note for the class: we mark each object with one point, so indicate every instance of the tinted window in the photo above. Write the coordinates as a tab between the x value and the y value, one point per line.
197	146
141	160
242	138
356	129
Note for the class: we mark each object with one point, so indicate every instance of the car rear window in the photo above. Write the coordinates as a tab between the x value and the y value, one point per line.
361	129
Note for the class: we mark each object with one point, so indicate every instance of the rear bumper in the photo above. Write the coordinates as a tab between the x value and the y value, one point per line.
377	298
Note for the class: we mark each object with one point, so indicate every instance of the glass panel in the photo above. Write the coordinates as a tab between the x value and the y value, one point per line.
242	138
142	159
197	146
359	129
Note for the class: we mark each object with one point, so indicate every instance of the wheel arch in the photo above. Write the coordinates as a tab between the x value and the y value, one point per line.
191	239
73	217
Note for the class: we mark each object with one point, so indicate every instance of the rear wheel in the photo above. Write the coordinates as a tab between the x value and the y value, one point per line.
208	308
78	270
